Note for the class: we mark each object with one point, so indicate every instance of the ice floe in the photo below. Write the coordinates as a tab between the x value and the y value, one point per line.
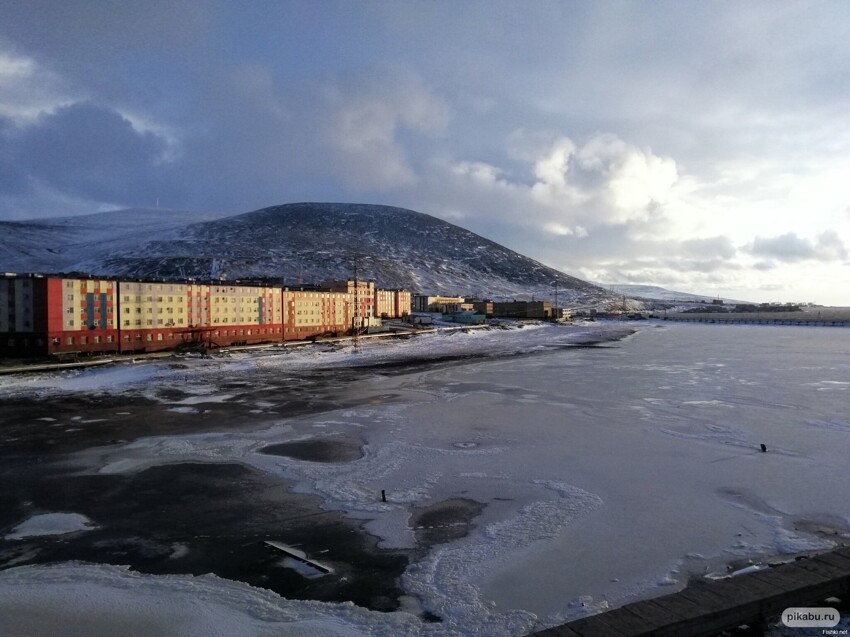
50	524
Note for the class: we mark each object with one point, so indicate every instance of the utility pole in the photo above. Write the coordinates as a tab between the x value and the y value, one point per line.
283	304
355	319
556	304
555	313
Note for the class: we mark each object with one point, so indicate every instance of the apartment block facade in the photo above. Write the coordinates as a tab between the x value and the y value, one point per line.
392	303
43	315
312	313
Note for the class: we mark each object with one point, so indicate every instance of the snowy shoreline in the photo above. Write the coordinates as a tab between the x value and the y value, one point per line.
127	375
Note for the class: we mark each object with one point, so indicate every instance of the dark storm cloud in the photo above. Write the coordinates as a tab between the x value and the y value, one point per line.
13	180
93	152
790	248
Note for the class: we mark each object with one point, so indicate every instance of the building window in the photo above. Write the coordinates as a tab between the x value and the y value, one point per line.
159	337
109	338
84	340
70	340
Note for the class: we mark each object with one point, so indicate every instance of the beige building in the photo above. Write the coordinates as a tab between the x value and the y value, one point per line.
310	313
362	295
444	304
392	303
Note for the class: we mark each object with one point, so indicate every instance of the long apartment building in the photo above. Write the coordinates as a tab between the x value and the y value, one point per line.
42	315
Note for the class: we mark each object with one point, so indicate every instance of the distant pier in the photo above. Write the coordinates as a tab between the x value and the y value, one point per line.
711	606
829	318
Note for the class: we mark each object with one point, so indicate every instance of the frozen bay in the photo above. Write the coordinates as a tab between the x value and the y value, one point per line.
604	473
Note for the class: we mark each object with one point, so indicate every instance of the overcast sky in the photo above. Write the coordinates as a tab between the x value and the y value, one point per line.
702	146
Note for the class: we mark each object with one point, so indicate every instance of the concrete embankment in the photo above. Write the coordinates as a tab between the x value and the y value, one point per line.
710	607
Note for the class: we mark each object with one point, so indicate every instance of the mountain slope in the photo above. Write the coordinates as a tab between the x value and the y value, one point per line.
64	243
313	242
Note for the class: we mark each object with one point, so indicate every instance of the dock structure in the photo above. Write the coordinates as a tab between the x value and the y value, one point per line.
828	317
725	320
708	607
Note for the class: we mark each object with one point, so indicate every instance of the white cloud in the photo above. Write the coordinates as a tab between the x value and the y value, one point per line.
27	89
790	248
365	122
573	188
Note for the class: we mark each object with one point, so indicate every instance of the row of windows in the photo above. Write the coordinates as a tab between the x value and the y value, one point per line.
151	287
83	340
85	284
25	343
70	322
233	299
149	322
151	299
159	310
11	325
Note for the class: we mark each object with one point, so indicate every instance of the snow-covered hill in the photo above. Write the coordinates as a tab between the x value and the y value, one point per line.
63	244
305	242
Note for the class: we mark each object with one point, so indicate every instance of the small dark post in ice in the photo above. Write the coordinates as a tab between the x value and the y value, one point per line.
763	447
384	493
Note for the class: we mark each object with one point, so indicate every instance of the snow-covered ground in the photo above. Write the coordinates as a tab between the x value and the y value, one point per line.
607	473
204	374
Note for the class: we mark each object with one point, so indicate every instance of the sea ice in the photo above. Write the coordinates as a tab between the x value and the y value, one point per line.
51	524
